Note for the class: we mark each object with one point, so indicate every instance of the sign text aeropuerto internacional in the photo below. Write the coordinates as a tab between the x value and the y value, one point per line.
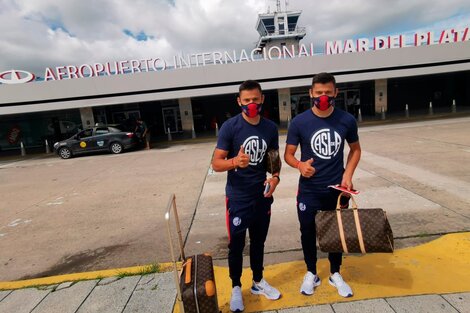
217	57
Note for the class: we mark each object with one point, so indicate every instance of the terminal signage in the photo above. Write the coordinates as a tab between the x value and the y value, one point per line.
226	57
16	77
396	41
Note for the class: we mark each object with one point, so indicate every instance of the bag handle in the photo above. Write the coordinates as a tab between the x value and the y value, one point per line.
172	206
345	194
357	222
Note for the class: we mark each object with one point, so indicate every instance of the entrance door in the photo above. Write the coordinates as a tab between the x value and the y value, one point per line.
172	119
100	117
340	100
353	101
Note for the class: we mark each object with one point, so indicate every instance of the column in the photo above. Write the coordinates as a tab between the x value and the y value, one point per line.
284	106
380	95
186	113
86	115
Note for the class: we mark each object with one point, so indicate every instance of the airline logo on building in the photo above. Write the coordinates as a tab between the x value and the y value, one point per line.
16	77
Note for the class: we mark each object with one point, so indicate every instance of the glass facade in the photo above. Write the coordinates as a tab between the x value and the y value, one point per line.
33	129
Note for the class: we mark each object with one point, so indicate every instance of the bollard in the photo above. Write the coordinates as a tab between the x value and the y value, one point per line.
454	107
407	111
169	134
193	135
430	108
216	130
23	150
382	111
359	116
48	149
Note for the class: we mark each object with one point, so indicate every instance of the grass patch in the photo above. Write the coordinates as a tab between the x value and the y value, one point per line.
42	287
144	270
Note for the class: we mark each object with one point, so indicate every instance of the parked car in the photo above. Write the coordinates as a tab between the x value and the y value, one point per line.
102	138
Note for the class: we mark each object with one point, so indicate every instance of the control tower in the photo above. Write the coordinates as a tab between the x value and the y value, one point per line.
279	28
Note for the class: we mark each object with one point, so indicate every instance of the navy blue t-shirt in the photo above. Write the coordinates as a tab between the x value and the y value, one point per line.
323	140
247	183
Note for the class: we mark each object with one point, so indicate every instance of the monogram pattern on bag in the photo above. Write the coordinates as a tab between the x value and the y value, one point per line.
376	231
327	231
350	232
187	290
205	272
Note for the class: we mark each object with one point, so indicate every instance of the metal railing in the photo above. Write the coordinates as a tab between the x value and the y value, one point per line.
297	30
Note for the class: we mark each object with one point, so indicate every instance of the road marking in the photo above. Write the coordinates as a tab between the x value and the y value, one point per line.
55	203
18	222
14	223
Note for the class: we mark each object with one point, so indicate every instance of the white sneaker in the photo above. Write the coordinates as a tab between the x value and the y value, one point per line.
343	289
310	282
236	301
265	289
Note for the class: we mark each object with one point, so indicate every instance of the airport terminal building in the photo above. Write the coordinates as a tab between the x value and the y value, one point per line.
196	93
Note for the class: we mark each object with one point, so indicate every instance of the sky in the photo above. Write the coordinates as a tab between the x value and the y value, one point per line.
37	34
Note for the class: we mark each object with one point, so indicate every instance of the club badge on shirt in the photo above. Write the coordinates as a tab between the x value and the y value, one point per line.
256	148
326	143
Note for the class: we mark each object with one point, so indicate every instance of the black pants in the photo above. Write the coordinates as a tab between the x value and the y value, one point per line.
307	208
254	216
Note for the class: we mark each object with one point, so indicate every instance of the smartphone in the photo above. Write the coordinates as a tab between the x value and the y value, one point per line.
344	189
266	188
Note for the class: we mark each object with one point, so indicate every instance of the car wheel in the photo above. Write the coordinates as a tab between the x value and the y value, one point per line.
65	153
116	147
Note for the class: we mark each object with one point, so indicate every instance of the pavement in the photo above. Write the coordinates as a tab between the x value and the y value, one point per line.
418	172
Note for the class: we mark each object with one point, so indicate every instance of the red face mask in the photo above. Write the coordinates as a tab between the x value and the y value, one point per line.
252	109
324	102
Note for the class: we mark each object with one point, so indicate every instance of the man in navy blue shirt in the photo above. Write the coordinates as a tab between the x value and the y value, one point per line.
321	133
242	147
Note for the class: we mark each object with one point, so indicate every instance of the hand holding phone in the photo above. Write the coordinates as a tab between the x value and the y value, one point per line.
267	187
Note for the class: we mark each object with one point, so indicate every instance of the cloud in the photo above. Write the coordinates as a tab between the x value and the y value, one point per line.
48	33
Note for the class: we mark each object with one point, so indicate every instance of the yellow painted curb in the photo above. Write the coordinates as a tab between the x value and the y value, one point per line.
135	270
440	266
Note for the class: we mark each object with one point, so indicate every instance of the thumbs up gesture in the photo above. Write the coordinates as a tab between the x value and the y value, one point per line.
306	169
242	159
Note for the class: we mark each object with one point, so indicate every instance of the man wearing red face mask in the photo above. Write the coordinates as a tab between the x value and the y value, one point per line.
242	147
321	133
